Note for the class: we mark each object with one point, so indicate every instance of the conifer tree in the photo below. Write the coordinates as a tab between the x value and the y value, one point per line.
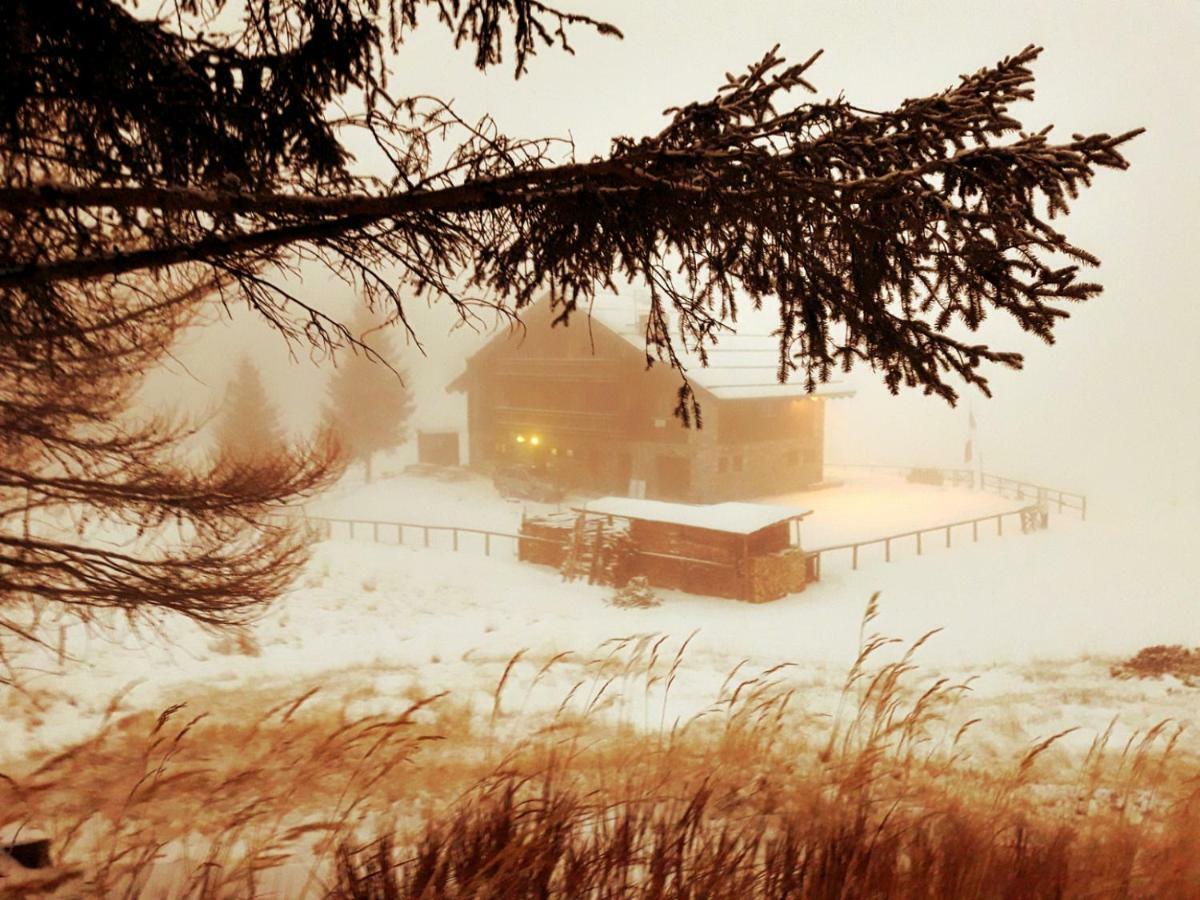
216	158
247	428
369	404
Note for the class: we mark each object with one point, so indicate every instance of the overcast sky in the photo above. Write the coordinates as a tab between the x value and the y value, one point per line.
1111	409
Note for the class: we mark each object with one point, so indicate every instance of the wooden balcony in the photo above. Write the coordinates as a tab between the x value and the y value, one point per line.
593	369
559	420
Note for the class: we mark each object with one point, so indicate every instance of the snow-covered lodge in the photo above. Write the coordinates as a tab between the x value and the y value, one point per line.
579	403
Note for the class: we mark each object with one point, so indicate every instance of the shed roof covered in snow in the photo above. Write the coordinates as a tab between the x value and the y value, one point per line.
730	518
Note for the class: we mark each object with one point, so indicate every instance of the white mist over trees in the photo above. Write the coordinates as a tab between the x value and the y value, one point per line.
214	161
369	405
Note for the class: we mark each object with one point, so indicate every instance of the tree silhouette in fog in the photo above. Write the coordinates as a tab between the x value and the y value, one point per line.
369	404
148	154
247	428
106	507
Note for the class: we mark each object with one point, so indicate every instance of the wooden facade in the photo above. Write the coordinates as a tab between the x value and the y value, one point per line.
743	551
579	403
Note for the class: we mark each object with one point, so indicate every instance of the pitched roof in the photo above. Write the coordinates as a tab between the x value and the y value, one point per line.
731	517
743	365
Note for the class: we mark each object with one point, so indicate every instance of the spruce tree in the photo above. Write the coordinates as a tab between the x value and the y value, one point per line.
247	431
369	404
216	158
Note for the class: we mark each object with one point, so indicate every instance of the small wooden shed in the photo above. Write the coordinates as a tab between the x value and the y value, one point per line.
745	551
438	448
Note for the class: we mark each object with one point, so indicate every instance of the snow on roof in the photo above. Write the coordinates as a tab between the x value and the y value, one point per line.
732	518
744	365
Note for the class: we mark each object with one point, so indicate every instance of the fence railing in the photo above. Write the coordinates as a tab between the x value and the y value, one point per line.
460	538
1050	497
1029	518
1046	496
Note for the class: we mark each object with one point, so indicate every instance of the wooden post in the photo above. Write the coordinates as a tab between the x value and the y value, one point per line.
947	535
487	543
375	532
887	549
1083	509
1000	525
426	530
918	543
854	557
454	533
351	524
975	531
400	535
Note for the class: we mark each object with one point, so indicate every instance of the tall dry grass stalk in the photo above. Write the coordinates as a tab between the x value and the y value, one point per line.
748	800
609	794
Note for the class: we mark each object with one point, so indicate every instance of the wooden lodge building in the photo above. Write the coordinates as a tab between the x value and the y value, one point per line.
579	403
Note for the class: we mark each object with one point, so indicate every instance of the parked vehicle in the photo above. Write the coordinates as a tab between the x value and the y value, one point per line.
526	482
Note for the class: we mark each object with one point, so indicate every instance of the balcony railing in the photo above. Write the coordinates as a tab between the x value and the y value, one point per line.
595	369
558	419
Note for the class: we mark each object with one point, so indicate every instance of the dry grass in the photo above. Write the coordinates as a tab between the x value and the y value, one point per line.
227	796
751	798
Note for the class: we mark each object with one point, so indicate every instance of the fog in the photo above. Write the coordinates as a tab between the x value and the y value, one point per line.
1108	410
442	604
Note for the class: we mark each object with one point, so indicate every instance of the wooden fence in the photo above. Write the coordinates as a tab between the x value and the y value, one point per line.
457	538
1030	518
442	537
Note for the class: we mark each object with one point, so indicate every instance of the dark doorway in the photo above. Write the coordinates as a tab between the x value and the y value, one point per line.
439	448
674	480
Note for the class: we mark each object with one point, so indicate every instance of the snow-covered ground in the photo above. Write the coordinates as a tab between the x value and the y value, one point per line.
863	504
1038	617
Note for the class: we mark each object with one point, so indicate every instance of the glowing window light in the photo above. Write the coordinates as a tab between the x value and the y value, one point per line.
535	440
520	438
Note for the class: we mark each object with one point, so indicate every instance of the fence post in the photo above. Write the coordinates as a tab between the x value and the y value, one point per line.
947	535
975	531
375	532
1083	509
1000	525
487	543
400	534
351	524
887	550
426	530
454	533
918	543
854	557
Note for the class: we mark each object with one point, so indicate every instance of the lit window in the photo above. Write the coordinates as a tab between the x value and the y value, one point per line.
535	440
520	438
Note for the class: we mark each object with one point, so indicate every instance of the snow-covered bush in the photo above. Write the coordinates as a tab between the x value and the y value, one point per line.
636	593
